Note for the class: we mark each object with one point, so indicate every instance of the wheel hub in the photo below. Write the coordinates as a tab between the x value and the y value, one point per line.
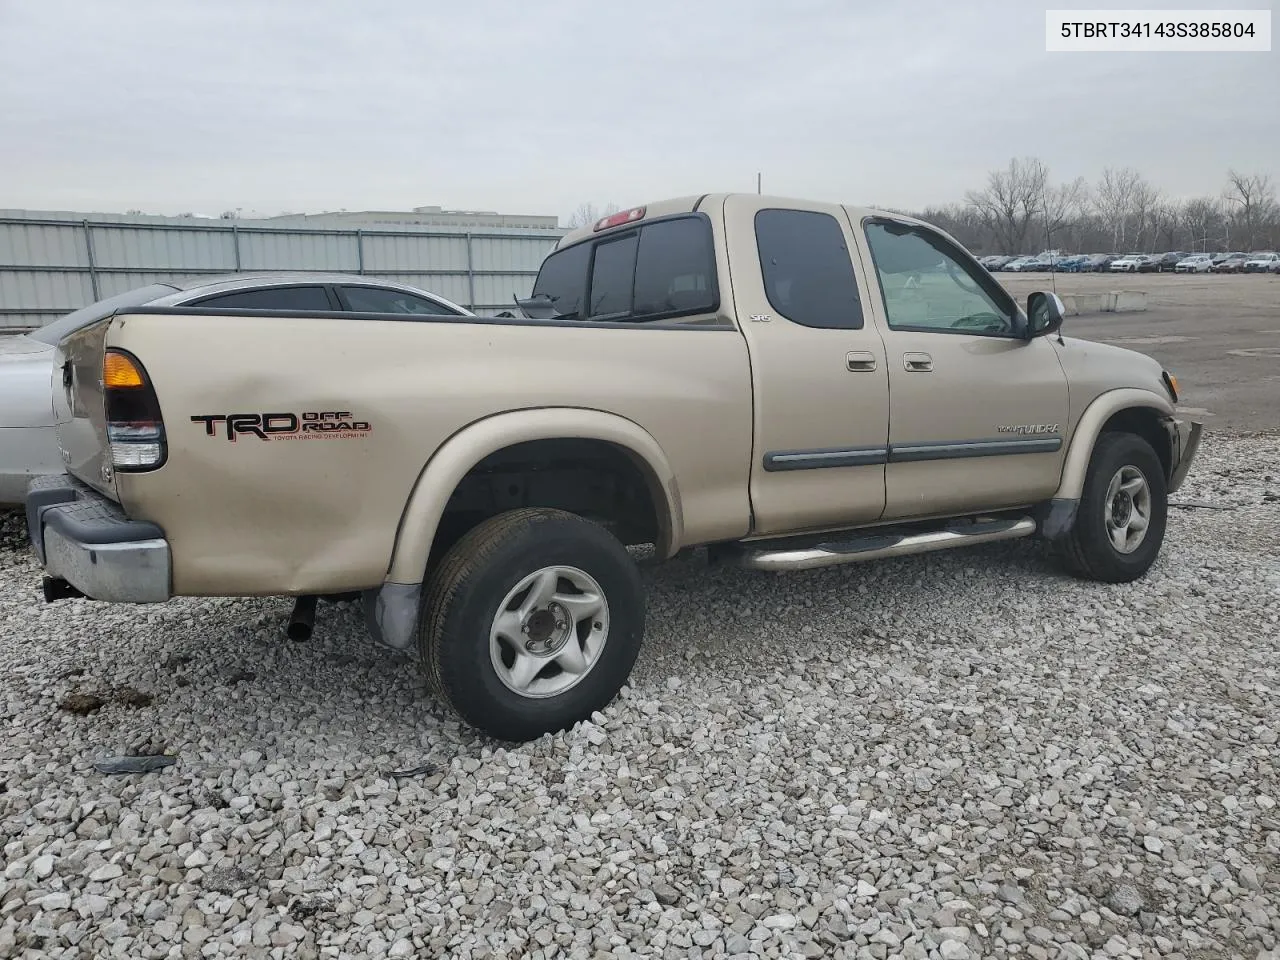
1121	509
547	630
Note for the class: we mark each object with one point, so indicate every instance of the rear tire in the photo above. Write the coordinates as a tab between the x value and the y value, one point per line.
532	622
1120	522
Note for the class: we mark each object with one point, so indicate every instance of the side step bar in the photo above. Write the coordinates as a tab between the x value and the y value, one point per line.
879	546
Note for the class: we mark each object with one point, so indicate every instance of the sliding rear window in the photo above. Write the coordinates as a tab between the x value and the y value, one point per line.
657	271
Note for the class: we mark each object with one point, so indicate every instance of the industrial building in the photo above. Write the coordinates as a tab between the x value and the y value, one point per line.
53	262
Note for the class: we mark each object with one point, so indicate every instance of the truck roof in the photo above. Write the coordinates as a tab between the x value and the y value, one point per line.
662	208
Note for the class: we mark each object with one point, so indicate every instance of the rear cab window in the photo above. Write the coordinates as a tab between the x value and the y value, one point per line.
661	270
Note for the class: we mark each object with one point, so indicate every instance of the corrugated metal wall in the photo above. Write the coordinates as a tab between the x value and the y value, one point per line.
50	265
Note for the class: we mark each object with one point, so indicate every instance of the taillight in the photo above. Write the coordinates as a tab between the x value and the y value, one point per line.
135	427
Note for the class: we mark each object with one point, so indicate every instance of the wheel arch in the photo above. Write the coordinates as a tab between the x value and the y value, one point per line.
1130	410
461	453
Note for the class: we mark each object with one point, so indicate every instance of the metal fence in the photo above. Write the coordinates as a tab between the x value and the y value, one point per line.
51	265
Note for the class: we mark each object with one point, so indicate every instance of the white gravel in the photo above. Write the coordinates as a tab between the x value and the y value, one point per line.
956	756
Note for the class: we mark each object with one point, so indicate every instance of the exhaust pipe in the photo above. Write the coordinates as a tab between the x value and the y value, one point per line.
55	588
303	618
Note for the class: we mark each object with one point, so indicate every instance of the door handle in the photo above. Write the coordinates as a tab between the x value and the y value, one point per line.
860	361
917	362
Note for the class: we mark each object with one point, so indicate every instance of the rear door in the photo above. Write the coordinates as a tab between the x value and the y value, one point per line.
978	410
820	387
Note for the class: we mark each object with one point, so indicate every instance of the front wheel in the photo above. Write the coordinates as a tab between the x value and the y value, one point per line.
1120	521
532	622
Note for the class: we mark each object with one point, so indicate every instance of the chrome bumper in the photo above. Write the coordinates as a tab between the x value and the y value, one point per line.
85	539
1184	442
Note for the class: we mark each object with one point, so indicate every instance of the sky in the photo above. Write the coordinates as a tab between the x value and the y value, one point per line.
537	107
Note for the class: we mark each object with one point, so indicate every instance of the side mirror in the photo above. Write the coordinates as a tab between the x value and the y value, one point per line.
1045	313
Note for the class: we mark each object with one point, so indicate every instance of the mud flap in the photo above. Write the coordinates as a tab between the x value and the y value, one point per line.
391	614
1055	518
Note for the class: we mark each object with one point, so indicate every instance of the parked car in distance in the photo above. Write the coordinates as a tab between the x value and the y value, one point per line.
1129	263
1232	263
1260	262
1195	263
996	261
1168	261
839	400
1038	264
28	446
1099	262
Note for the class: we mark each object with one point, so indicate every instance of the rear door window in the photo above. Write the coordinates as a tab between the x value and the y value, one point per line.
808	274
310	299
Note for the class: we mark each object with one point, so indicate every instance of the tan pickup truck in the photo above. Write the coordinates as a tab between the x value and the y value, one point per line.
790	384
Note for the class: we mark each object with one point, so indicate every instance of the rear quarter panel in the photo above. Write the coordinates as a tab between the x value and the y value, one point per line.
321	513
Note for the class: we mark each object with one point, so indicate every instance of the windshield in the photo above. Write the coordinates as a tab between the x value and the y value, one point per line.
51	333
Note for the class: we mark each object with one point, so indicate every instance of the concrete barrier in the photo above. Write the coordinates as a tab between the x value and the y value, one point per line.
1117	301
1129	301
1078	303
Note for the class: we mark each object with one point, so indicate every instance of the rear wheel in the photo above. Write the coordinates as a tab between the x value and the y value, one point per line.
532	622
1120	522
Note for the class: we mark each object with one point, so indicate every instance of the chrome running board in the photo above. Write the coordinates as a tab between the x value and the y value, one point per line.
878	546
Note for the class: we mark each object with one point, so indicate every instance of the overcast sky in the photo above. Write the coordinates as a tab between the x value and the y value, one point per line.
536	107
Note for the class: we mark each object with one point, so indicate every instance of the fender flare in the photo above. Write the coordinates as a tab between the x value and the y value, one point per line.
454	458
1075	466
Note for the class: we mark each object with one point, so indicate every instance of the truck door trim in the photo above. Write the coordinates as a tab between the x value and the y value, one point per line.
776	460
824	457
958	450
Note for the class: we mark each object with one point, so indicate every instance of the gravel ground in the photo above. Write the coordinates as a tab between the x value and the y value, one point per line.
962	755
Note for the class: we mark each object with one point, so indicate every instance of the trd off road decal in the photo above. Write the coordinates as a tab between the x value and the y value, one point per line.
312	425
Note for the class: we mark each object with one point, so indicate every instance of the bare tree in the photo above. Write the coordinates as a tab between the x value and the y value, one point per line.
1166	221
1146	199
1011	202
1019	208
587	214
1202	216
1063	205
1113	201
1253	201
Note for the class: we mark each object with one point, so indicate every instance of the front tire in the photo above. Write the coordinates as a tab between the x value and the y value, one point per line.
1120	522
533	621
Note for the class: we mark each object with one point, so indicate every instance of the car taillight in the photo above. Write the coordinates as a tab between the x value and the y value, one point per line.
135	427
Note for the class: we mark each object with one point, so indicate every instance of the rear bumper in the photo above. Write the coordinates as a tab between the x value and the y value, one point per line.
85	539
1184	443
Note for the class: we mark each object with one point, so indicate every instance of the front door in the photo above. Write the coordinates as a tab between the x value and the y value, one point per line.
821	391
978	411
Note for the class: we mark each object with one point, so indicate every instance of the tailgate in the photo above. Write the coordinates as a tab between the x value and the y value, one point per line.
79	407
